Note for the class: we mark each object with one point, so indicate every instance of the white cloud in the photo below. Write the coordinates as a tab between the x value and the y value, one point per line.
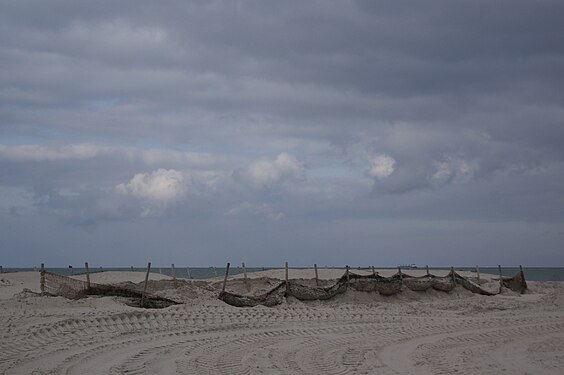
157	189
453	170
268	173
382	166
255	209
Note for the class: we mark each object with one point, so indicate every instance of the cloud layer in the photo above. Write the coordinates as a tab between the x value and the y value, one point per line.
241	128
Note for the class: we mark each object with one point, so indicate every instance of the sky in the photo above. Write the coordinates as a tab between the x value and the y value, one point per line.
328	132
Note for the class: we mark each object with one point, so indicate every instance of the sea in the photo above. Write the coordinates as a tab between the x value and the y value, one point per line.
531	273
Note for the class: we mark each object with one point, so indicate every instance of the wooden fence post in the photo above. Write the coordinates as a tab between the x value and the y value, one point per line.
188	272
316	274
478	273
427	269
245	276
373	271
520	270
42	278
87	275
400	275
452	275
347	273
173	275
287	285
146	282
500	277
225	278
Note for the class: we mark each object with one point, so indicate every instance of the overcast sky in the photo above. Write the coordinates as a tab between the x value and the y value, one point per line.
329	132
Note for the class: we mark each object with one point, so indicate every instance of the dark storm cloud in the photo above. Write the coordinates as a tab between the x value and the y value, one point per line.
231	114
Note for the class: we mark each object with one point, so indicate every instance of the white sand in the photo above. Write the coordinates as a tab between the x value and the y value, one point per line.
359	333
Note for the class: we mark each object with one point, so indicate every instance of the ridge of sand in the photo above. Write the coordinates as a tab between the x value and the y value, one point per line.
411	333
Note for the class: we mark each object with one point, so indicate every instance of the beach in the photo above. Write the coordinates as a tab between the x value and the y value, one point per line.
430	332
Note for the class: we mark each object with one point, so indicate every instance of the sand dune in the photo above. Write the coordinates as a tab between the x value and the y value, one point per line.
358	333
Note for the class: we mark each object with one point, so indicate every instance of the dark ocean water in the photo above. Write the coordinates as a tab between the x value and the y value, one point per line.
532	273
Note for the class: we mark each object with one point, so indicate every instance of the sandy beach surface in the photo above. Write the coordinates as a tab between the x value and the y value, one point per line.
429	332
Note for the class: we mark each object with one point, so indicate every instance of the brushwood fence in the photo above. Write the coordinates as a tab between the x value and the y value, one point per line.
72	288
371	283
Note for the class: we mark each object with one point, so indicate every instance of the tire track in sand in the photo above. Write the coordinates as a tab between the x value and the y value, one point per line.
289	339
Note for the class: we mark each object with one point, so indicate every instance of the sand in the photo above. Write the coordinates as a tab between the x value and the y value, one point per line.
358	333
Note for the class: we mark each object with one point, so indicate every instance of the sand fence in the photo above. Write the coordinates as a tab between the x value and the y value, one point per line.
278	290
373	283
71	288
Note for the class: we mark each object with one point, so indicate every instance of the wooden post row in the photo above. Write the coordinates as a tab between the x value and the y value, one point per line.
173	275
